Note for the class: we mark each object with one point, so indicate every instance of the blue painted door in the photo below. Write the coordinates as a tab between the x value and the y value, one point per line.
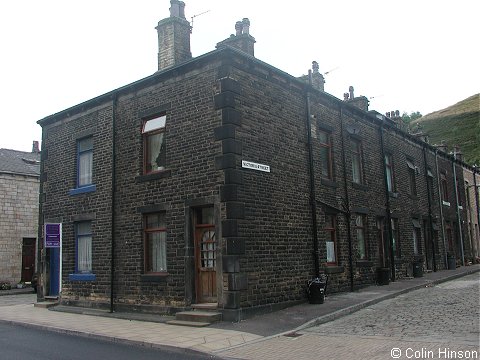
54	271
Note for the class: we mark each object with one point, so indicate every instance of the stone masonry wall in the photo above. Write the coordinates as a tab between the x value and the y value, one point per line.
19	219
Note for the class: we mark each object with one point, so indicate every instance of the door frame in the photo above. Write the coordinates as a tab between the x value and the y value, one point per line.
190	268
199	272
34	248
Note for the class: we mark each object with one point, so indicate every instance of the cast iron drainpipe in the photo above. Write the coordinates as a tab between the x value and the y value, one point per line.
313	202
476	189
348	214
460	227
112	246
440	203
387	197
430	216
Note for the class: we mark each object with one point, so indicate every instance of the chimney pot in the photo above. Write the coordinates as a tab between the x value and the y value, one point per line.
315	67
238	28
345	96
181	6
387	114
397	113
246	26
350	90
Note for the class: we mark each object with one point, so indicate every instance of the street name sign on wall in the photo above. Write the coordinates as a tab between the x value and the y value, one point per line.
53	235
255	166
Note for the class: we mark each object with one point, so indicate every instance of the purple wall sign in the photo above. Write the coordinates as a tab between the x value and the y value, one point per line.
53	235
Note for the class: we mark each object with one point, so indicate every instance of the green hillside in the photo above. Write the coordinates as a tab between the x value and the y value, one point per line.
458	124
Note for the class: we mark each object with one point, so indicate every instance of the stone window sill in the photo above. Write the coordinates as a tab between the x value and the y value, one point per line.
157	277
83	190
333	269
82	277
154	176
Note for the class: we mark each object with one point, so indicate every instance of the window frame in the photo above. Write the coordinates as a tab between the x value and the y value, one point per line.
80	154
417	237
78	236
357	159
444	187
412	178
148	134
396	238
329	148
147	260
361	228
389	170
330	228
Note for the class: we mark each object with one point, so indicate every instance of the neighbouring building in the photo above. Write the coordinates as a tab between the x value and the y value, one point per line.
19	189
471	177
223	180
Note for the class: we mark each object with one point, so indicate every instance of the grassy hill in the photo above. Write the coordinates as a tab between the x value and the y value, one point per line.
458	124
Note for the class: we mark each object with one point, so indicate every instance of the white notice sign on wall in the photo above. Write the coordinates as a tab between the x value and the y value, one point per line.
255	166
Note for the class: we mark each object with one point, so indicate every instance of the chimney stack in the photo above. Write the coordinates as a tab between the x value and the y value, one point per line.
173	37
36	147
318	81
242	39
360	102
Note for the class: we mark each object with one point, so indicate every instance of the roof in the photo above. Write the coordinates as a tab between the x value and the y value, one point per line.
19	162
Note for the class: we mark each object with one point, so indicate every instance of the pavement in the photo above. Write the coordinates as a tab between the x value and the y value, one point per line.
221	339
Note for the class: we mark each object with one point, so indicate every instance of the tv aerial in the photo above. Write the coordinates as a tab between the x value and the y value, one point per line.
194	16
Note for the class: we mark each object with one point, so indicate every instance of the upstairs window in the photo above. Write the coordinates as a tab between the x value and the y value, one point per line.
154	151
326	162
412	181
389	172
357	173
431	189
85	162
444	187
155	233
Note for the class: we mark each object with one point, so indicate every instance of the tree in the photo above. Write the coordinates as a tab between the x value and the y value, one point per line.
407	119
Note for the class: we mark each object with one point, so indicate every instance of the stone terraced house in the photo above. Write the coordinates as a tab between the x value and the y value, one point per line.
19	189
223	180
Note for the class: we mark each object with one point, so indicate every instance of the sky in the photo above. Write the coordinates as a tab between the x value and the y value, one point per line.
406	55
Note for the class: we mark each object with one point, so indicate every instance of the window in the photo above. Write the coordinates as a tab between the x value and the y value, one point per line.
356	148
154	144
395	239
449	236
326	154
412	182
84	247
443	187
155	243
331	243
459	194
383	245
389	171
417	237
361	240
85	162
430	184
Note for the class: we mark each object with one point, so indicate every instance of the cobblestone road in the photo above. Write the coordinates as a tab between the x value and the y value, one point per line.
439	322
